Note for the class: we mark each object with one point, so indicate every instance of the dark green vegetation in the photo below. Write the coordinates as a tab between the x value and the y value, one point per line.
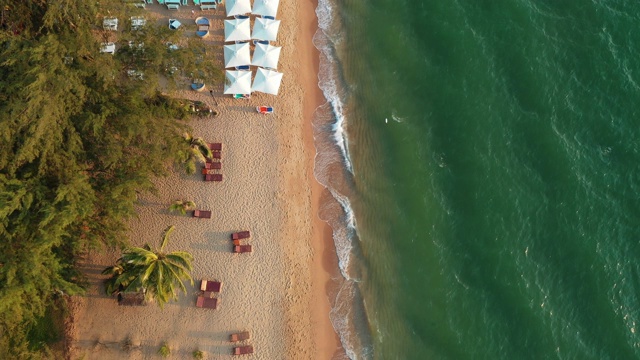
154	273
79	140
182	206
197	151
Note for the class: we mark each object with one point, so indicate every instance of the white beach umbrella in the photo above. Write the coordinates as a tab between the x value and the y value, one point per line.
236	55
237	7
237	30
237	82
265	29
267	81
265	7
266	56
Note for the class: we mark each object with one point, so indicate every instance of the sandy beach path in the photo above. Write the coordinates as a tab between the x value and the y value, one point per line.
267	189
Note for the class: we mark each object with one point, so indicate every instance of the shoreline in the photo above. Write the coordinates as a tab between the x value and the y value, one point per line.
324	261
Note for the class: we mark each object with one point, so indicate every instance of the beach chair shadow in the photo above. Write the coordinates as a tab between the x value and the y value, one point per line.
209	335
213	241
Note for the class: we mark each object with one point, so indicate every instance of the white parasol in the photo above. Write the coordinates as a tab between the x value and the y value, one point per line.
265	29
237	82
266	56
237	30
237	7
267	81
236	55
265	7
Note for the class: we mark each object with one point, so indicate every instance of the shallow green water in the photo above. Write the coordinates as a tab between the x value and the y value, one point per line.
495	175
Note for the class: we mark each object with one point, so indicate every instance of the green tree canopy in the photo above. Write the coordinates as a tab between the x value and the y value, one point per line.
79	140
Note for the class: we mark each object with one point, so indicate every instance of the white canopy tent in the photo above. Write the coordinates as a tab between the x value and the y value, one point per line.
237	30
109	48
265	7
110	24
267	81
237	82
266	56
236	55
137	22
265	29
237	7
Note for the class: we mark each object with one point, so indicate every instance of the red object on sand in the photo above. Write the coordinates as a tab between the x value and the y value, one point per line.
242	249
206	302
240	235
264	109
242	350
213	177
204	214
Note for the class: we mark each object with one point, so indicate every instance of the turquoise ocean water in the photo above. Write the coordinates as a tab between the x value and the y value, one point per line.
484	162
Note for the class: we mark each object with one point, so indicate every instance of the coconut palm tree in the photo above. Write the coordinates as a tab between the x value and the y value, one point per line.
182	206
197	151
157	273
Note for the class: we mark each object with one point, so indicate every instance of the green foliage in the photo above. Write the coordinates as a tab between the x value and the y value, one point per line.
47	329
182	206
79	141
157	273
196	151
164	350
198	354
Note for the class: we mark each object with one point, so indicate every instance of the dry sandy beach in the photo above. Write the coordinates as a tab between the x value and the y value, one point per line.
279	291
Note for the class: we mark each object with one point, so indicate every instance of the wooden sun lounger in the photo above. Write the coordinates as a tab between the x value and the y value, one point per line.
240	235
242	249
215	146
214	165
203	214
241	336
213	177
210	286
243	350
207	302
211	170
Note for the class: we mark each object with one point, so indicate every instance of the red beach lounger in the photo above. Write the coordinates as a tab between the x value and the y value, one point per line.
210	171
243	350
206	302
215	146
211	286
241	235
213	165
241	336
242	249
216	154
213	177
264	109
203	214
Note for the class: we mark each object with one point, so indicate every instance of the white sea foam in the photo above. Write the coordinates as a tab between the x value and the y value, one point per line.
341	318
396	118
332	90
324	13
343	235
333	169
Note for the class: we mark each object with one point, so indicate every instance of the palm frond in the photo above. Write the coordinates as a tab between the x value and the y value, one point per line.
165	237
